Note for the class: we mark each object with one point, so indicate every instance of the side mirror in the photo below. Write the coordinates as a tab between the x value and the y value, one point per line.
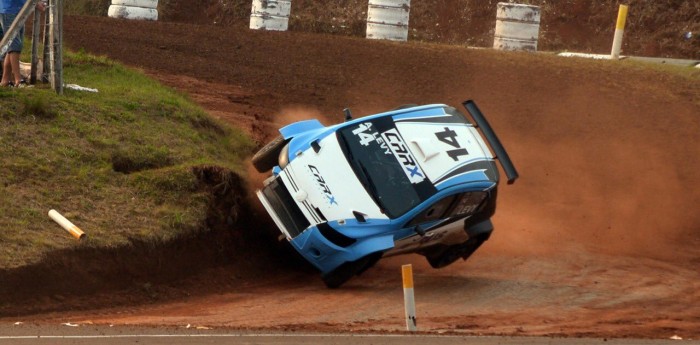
361	217
419	230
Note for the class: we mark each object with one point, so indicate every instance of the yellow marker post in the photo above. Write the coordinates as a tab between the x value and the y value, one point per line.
408	298
67	225
619	32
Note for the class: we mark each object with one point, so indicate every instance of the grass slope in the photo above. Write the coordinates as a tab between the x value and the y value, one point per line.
118	163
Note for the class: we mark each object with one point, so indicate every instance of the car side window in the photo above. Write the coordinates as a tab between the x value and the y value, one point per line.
436	211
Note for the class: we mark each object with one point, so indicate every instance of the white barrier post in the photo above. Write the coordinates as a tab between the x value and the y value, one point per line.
619	32
270	15
517	27
67	225
134	9
408	298
388	19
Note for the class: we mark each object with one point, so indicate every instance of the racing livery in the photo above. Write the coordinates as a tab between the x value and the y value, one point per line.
417	179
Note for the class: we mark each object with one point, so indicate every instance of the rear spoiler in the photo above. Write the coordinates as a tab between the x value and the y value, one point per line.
491	137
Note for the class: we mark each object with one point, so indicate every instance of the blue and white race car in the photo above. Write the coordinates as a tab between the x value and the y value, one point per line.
417	179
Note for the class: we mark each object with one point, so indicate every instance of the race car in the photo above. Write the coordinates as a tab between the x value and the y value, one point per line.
416	179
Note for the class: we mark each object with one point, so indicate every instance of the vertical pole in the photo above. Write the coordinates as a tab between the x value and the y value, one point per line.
408	298
52	42
619	32
47	49
59	47
36	28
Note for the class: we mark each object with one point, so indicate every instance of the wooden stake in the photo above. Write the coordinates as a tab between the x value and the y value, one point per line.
59	48
47	52
36	28
53	13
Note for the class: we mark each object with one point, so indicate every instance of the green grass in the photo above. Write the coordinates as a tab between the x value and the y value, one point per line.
117	163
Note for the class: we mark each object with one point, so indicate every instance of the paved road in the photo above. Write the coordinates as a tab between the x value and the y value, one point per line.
98	335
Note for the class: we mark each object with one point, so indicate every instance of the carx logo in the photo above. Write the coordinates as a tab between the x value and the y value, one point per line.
400	151
323	185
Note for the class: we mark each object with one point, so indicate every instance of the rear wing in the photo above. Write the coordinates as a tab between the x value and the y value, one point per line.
491	137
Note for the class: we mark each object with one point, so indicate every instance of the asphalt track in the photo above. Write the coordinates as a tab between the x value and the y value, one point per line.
88	334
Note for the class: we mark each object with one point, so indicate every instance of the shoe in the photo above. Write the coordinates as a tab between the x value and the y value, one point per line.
21	84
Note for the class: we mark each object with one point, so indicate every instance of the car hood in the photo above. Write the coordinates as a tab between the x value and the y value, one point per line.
324	182
462	153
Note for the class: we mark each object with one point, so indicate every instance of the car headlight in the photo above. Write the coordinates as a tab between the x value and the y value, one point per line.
284	157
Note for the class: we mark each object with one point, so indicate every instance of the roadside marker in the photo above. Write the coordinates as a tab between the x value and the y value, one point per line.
67	225
408	298
619	32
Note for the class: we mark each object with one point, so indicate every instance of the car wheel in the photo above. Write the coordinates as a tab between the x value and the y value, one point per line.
445	256
337	277
266	158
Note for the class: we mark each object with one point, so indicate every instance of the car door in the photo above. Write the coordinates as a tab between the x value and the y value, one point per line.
440	223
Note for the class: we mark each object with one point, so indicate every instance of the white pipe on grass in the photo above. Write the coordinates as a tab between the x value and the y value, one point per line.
67	225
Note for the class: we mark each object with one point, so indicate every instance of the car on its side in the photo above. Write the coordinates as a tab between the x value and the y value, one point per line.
417	179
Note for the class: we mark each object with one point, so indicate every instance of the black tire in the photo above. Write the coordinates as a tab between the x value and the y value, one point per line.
266	158
446	255
334	279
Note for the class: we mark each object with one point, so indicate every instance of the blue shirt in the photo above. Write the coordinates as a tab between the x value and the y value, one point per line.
11	6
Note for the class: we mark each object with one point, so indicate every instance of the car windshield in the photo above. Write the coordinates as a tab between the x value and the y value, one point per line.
385	165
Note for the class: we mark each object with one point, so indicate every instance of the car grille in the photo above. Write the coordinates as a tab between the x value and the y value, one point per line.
285	207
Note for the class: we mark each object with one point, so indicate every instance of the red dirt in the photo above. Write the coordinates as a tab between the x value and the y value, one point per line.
598	238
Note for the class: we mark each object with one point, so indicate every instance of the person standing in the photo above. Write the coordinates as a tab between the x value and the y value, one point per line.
10	62
2	58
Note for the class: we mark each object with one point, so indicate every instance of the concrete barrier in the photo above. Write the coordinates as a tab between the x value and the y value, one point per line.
132	12
517	27
388	19
270	15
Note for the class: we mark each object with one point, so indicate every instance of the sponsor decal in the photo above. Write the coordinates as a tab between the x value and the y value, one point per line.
400	150
323	185
367	135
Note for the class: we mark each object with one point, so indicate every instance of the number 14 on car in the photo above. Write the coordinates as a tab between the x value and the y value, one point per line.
449	137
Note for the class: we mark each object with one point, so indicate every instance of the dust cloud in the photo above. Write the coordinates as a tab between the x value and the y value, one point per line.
601	196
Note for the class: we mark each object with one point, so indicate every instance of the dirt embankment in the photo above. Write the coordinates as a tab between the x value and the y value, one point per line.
599	236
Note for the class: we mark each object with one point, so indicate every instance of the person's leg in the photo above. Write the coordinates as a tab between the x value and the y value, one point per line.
11	63
3	81
2	57
14	65
16	49
6	71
